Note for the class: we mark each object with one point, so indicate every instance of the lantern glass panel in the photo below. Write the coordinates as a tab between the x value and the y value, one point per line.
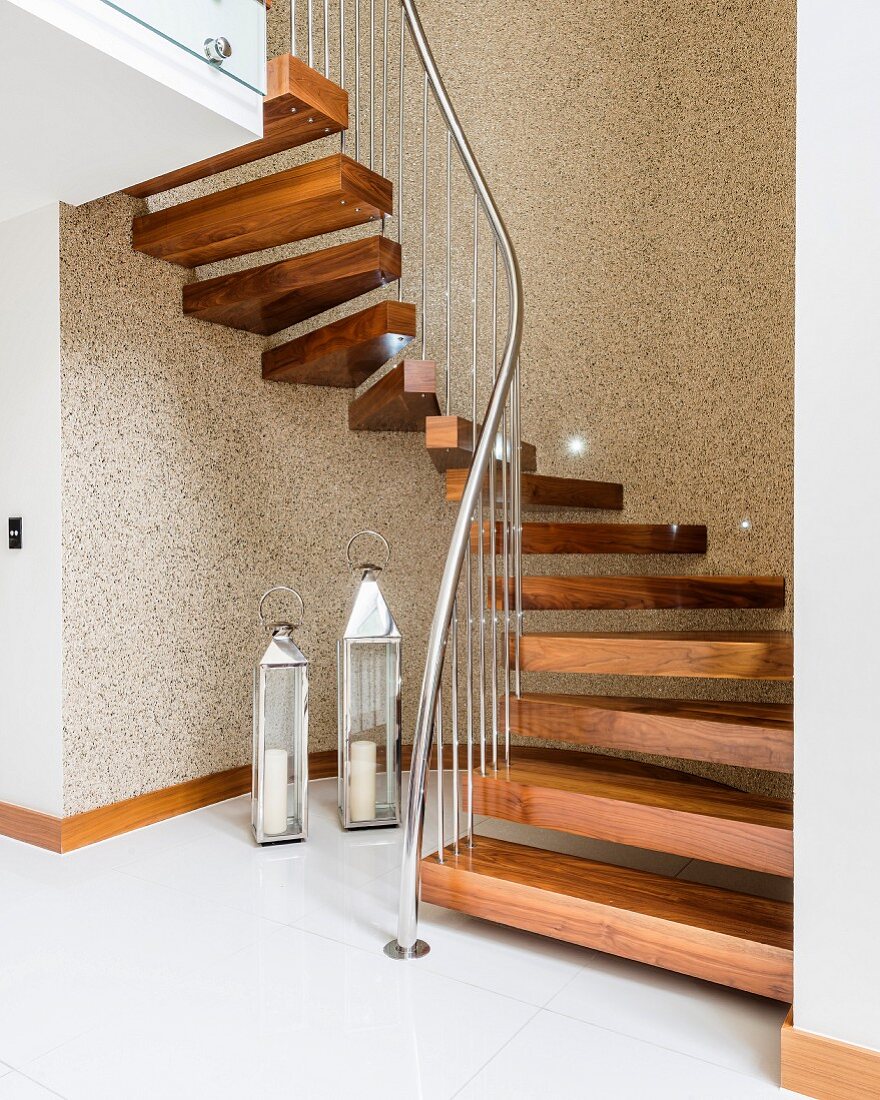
280	714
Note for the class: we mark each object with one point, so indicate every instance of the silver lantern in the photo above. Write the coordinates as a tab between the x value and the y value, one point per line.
368	666
279	791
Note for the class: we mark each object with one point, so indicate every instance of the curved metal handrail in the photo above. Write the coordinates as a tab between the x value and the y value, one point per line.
407	944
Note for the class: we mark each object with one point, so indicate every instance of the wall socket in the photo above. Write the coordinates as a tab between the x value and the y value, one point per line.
15	532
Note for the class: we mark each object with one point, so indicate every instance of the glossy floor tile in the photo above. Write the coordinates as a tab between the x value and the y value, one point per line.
182	961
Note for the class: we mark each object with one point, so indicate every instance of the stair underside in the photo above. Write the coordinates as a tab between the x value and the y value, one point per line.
591	593
270	298
300	106
643	805
318	197
765	655
346	352
541	491
607	538
450	443
748	735
733	939
399	402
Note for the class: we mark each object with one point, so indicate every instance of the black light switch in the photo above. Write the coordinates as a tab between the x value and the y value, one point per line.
15	532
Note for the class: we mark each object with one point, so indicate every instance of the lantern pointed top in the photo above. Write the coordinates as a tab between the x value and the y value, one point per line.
370	617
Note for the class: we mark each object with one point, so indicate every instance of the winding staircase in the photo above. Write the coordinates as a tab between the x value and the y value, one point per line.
736	939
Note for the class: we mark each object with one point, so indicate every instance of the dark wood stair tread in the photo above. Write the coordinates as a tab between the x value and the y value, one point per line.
643	805
585	593
543	491
399	402
609	538
300	105
750	735
318	197
346	352
733	939
274	296
737	655
450	443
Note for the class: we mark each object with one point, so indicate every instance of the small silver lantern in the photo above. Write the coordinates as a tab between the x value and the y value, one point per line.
368	666
279	791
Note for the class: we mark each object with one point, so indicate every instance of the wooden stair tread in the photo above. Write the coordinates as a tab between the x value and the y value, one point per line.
274	296
730	938
300	105
450	443
543	491
643	805
346	352
608	538
547	593
738	655
399	402
318	197
752	735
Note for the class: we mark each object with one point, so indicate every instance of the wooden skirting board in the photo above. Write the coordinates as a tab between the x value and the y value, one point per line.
827	1069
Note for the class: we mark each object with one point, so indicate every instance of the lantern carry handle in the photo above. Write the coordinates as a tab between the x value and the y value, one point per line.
367	564
276	625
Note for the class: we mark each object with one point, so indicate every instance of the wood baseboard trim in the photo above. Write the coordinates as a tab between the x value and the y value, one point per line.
66	834
827	1069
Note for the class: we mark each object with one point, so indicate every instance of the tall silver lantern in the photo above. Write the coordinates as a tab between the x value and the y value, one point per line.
279	791
368	666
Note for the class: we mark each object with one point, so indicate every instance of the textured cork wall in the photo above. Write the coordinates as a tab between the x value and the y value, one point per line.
643	156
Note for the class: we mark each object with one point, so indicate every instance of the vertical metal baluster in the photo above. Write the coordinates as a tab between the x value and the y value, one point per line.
400	121
311	21
481	570
505	569
327	38
357	79
342	62
493	549
424	319
441	809
293	28
469	691
384	85
456	792
517	527
372	79
448	272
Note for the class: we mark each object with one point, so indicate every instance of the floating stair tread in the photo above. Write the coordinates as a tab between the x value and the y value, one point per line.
750	735
319	197
300	106
543	491
643	805
450	443
609	538
346	352
272	297
733	939
546	593
399	402
737	655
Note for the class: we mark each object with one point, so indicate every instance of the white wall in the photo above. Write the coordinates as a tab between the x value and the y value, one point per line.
837	522
30	487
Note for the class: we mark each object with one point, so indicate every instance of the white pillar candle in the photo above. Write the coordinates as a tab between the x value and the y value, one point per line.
275	768
362	803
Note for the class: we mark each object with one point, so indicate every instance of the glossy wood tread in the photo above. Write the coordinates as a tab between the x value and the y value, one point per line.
300	106
607	538
345	353
450	443
748	735
270	298
733	939
317	197
541	491
591	593
643	805
735	655
399	401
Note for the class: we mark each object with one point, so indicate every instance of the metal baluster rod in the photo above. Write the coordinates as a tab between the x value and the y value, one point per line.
384	86
401	73
448	272
357	79
342	61
372	79
493	516
311	22
441	808
326	38
456	792
293	27
424	318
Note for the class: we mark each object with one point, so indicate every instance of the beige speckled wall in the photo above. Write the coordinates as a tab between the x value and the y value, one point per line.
643	155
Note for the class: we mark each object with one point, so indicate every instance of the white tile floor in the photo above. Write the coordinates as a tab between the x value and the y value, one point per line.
183	962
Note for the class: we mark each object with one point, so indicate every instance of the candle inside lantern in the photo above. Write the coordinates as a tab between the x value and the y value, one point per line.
275	769
363	780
